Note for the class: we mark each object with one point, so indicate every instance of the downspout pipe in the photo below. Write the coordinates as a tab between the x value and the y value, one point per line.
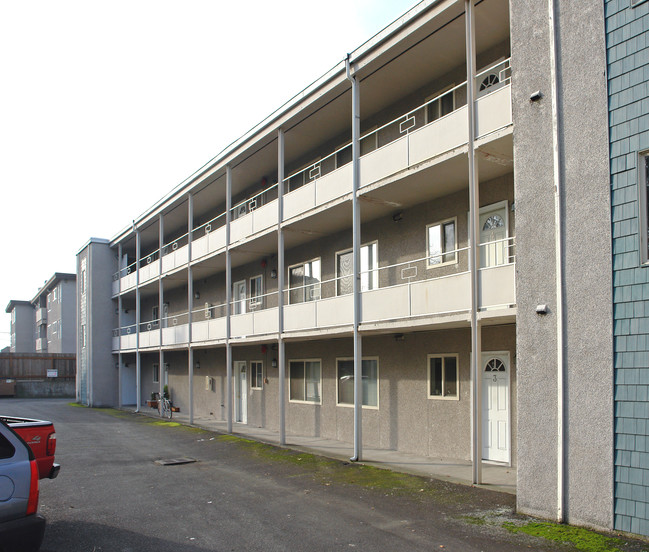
190	304
559	237
138	360
356	236
228	294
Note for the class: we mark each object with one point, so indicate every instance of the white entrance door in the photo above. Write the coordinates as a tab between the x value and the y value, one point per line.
495	407
493	234
239	297
240	392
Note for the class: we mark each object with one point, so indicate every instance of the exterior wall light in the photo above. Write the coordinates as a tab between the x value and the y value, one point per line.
536	96
541	309
273	273
273	363
198	365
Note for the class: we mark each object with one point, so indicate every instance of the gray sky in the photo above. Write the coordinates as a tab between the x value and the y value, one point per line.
107	106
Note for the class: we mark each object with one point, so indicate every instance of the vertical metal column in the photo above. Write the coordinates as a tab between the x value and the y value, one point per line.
228	293
120	375
474	250
138	362
161	361
281	361
190	303
356	252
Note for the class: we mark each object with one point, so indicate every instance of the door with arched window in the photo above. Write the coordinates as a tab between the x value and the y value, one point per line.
494	231
496	436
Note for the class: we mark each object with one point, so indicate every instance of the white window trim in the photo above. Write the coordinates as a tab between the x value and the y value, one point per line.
342	251
288	278
156	372
262	374
256	302
289	380
430	265
643	226
378	381
457	376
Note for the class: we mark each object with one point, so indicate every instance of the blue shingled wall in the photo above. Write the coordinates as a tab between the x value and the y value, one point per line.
627	41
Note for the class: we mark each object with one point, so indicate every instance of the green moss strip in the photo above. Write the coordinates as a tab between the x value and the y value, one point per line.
582	539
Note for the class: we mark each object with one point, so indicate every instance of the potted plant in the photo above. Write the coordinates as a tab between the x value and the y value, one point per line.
153	402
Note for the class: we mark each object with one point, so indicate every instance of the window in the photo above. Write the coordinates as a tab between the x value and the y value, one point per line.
83	336
304	381
256	374
7	450
442	105
441	243
256	293
643	191
156	373
370	370
369	272
154	315
83	280
304	282
443	380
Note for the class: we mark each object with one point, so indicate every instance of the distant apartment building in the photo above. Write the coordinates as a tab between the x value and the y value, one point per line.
421	252
47	323
22	326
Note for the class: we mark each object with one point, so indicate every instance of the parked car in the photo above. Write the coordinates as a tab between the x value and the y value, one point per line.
41	437
21	527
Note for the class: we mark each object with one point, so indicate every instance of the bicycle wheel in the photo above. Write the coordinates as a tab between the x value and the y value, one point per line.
160	407
167	409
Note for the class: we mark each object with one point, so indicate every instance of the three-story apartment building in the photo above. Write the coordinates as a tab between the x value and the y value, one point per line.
413	253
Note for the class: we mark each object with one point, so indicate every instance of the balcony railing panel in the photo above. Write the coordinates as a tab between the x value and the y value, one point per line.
128	341
441	295
494	111
334	185
335	311
150	338
439	136
174	258
300	200
497	286
385	303
115	342
149	271
116	284
212	241
241	325
240	228
384	161
128	281
264	217
175	334
41	316
300	316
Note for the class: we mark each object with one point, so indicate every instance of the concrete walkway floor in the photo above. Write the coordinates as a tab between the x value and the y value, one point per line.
496	477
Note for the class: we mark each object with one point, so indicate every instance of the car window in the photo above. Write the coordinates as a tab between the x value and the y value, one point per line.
7	450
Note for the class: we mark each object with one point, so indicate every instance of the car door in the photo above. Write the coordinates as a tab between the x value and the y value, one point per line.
15	475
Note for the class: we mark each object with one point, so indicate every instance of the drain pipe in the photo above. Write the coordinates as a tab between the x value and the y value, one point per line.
558	236
356	237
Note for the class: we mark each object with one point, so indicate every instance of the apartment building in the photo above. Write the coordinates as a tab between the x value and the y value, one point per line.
22	326
47	323
414	253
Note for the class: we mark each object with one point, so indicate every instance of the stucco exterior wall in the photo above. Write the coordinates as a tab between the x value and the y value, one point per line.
585	239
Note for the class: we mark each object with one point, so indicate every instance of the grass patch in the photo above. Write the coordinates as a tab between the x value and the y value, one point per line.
582	539
77	405
165	424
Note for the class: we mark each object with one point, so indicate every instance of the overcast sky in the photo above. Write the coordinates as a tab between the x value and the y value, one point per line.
107	106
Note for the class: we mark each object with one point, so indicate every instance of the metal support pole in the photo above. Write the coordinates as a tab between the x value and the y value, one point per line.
228	293
138	361
356	265
190	304
281	361
120	364
474	250
161	238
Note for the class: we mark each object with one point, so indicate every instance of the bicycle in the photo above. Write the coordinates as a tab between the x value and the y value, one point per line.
164	407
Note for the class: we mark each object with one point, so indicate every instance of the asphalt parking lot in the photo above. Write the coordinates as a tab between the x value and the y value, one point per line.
111	495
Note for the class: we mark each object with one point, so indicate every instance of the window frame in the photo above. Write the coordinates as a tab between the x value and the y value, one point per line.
303	286
373	272
378	381
441	224
256	302
300	401
156	372
438	95
443	356
643	202
256	377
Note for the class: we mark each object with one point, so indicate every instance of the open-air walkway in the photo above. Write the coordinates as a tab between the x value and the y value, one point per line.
496	477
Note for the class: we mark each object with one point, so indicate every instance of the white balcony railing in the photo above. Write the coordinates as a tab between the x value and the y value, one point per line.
435	127
41	316
401	292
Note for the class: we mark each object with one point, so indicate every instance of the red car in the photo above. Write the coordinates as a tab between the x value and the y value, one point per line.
41	438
